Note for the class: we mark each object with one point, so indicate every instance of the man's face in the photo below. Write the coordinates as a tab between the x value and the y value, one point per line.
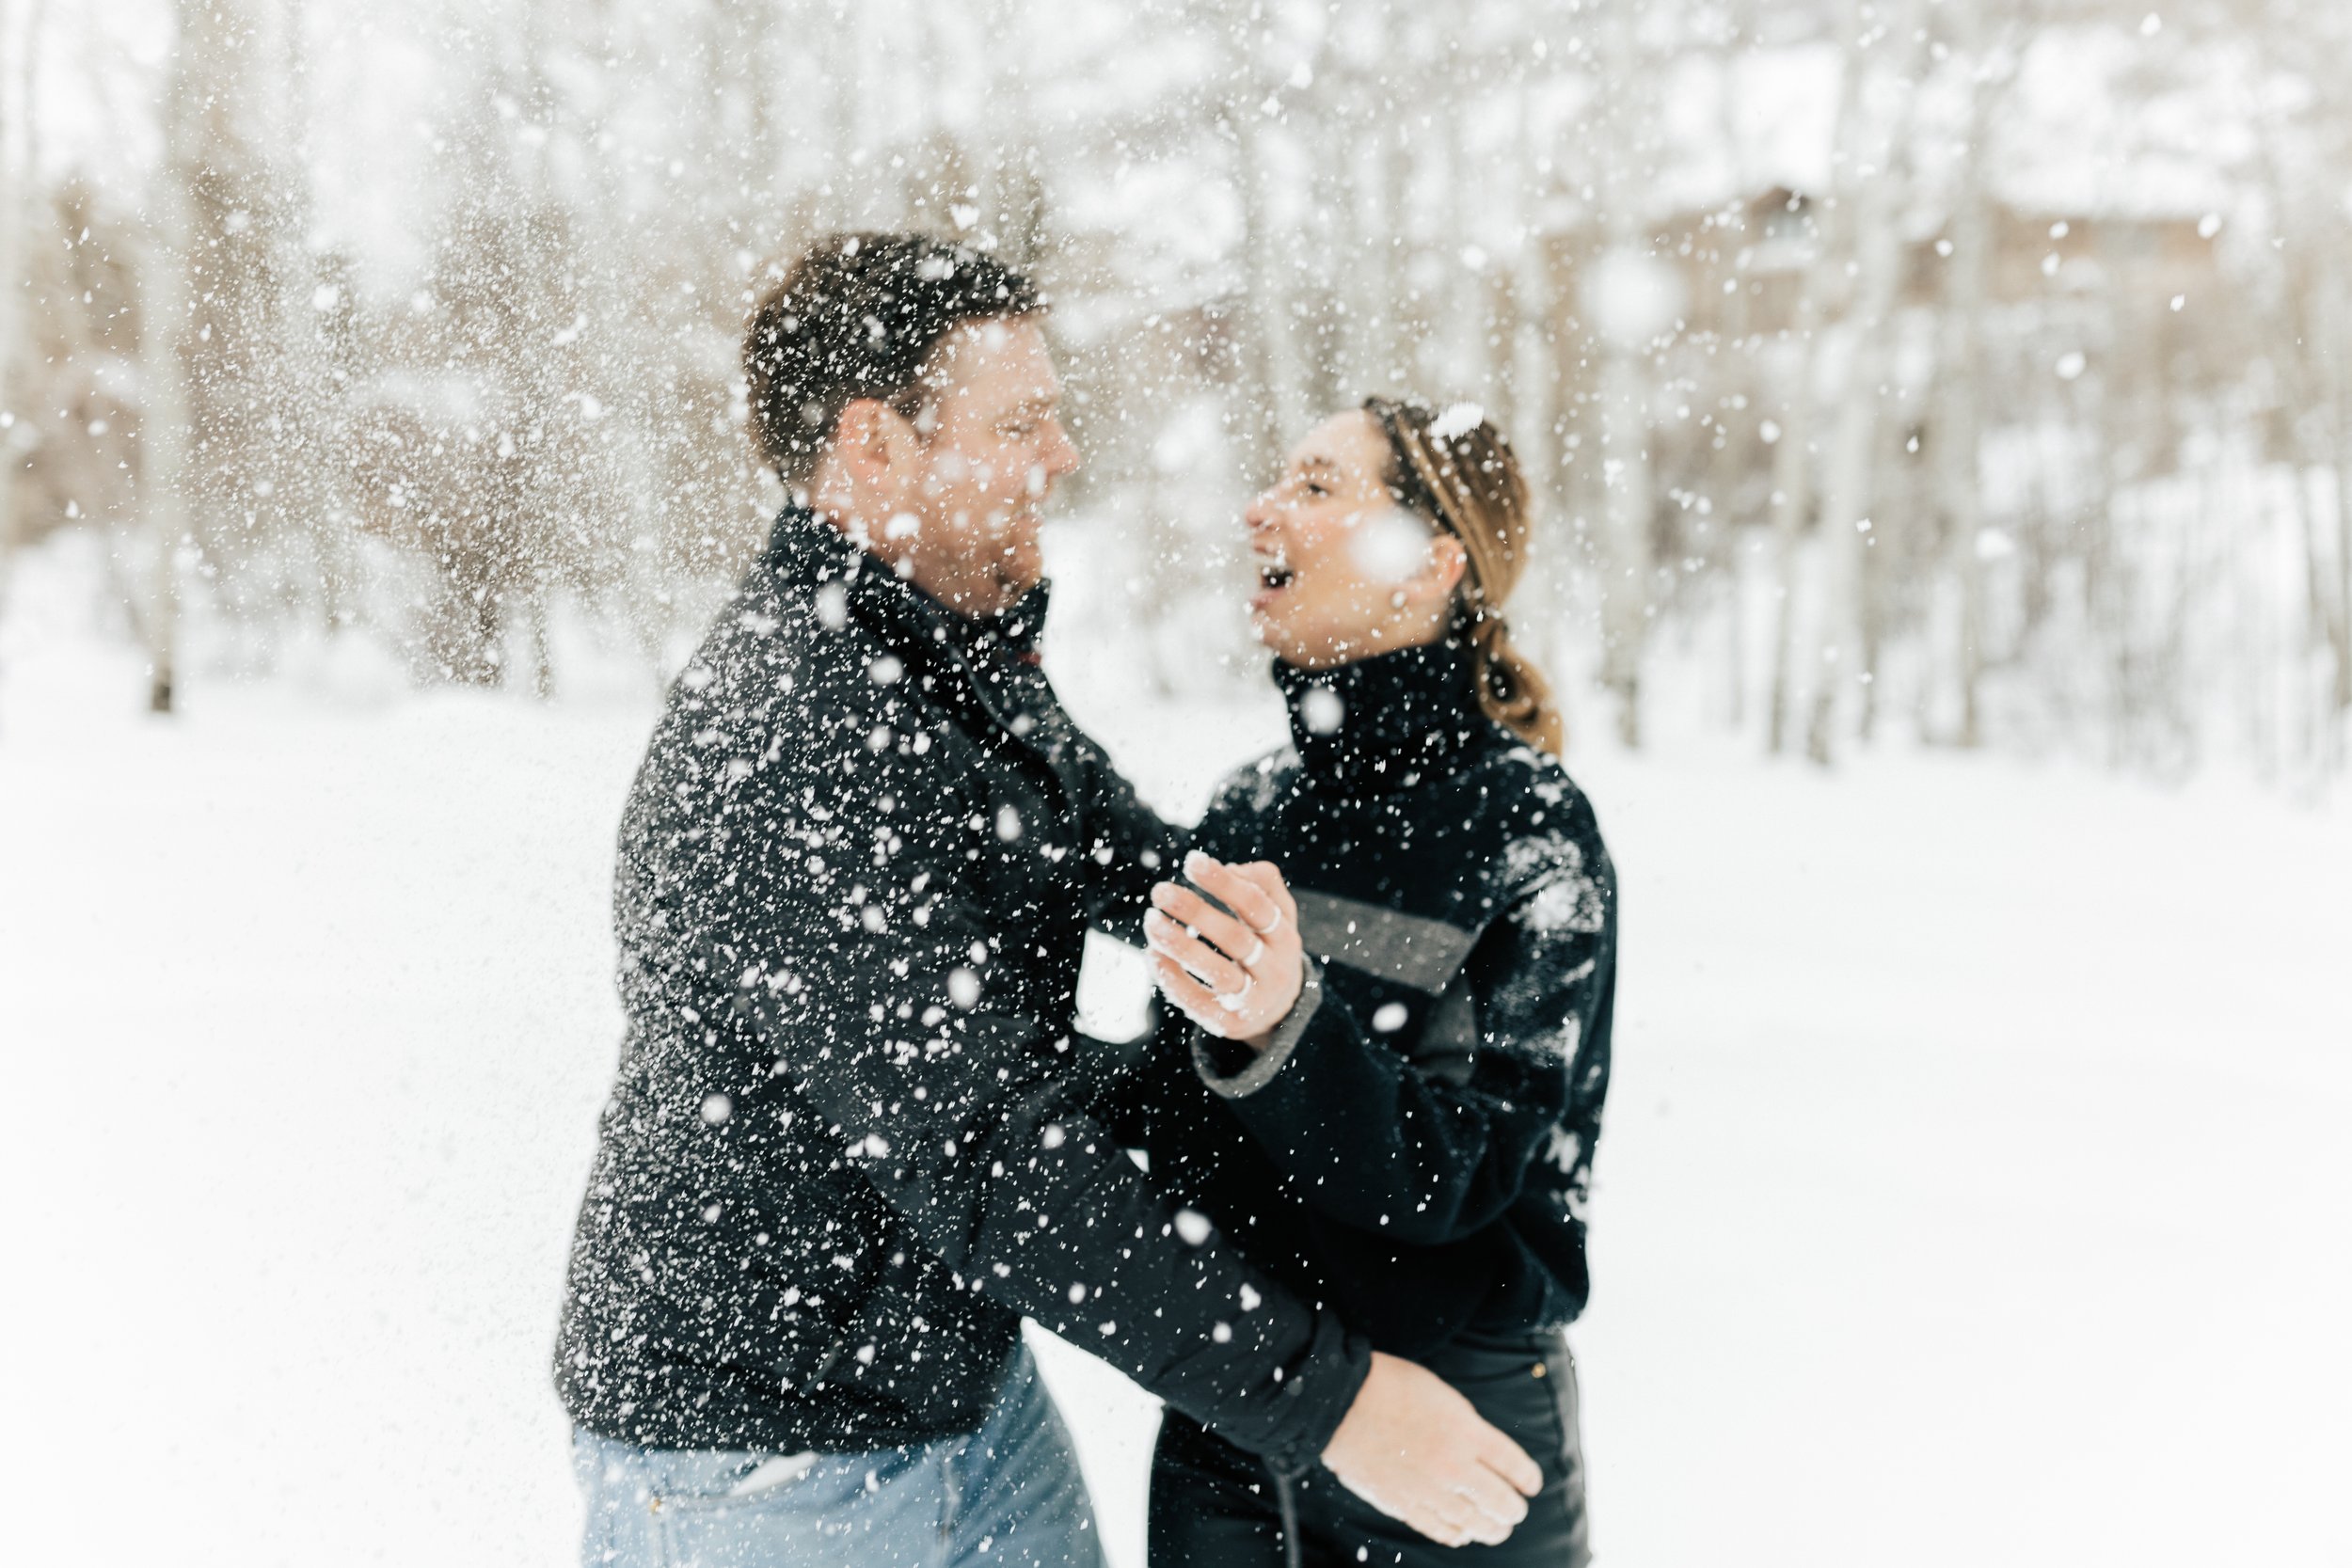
993	449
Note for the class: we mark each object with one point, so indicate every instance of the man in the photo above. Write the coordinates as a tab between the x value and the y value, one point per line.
852	1140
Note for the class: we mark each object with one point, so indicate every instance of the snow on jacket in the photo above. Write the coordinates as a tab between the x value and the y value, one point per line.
1414	1145
855	1137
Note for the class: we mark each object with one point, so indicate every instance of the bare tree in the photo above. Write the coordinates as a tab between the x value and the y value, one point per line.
1274	408
167	300
2303	155
1957	431
1877	191
1793	467
1631	300
17	207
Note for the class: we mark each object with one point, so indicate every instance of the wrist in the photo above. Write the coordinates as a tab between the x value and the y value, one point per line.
1267	1054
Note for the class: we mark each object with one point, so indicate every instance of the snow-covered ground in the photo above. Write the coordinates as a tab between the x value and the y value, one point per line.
1974	1188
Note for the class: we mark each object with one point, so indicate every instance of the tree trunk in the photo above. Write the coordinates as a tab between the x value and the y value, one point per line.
1624	345
542	652
1406	338
17	178
748	34
1393	245
1536	370
2335	335
1792	500
1849	473
469	628
1270	356
1626	497
843	46
1793	467
164	481
2343	561
314	491
1360	236
1958	431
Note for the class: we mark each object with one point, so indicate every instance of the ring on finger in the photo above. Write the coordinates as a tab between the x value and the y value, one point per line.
1257	951
1233	1004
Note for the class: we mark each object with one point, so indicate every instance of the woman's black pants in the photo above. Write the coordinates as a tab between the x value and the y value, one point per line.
1216	1505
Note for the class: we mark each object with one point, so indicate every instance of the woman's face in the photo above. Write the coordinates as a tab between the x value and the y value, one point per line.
1344	571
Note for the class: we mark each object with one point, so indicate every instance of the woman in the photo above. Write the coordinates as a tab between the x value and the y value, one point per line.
1400	1014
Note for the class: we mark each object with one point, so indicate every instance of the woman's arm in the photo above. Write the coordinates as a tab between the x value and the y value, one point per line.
1375	1140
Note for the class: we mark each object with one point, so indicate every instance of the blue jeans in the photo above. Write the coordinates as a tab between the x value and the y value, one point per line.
1008	1495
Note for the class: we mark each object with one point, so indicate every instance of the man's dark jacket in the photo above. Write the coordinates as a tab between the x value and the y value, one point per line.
855	1137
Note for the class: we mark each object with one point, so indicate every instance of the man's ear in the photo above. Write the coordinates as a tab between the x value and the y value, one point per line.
866	438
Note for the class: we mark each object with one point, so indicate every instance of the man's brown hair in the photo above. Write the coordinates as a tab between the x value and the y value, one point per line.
857	316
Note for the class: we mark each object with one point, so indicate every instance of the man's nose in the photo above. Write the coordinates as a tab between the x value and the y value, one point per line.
1061	456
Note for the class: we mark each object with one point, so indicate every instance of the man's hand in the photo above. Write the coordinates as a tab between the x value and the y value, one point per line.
1416	1450
1236	977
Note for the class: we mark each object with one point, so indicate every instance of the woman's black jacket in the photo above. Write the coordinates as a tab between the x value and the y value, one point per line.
1413	1146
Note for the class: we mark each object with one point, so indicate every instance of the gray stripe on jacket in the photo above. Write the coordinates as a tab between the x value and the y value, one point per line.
1410	949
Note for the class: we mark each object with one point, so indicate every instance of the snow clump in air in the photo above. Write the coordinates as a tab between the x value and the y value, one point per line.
1322	710
1389	545
1632	297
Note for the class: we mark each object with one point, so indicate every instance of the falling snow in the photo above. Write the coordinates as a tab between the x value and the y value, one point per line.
1944	395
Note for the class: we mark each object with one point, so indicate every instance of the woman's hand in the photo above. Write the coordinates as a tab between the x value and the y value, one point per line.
1236	977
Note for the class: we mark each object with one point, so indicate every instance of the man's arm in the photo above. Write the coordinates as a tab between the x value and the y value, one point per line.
868	974
1128	846
865	963
838	910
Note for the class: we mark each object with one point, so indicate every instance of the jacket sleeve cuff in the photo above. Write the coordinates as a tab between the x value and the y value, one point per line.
1268	1063
1320	1394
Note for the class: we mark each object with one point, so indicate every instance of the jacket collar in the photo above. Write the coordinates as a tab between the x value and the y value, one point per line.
989	662
1389	720
812	554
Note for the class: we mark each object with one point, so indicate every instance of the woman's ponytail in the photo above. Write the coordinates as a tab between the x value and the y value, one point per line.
1456	469
1512	691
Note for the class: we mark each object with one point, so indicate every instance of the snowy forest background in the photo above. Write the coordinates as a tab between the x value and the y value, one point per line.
1970	368
1972	1185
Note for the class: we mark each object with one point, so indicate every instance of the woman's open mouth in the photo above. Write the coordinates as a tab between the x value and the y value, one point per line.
1273	576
